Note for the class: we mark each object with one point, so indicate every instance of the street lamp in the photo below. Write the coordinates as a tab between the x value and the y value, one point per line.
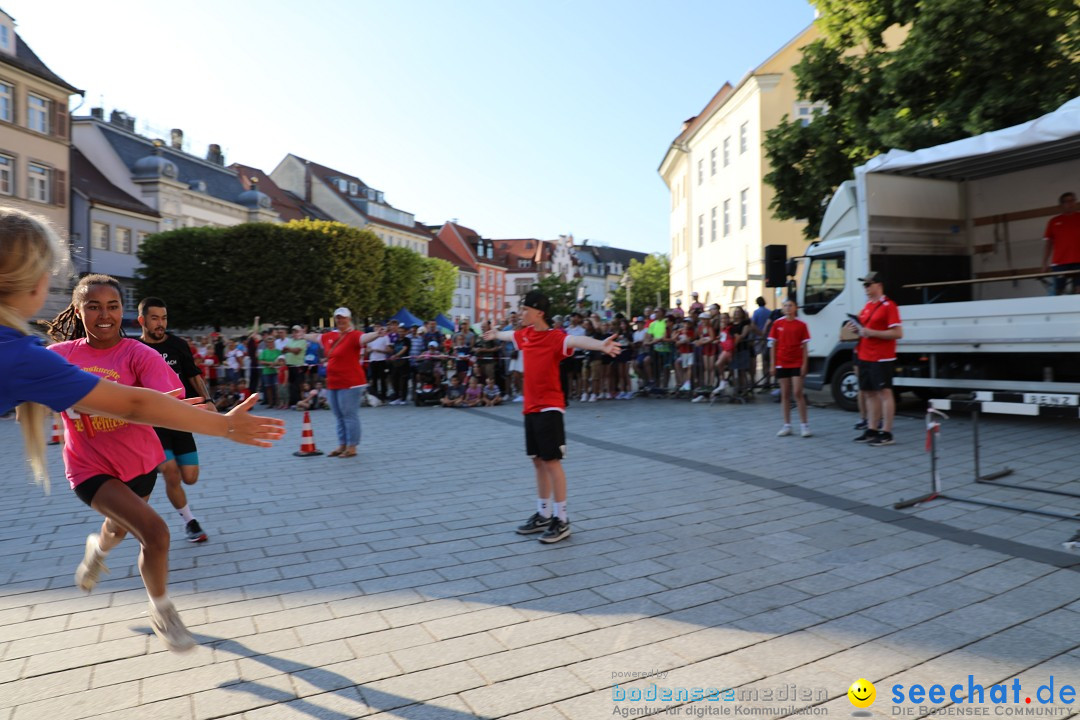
628	283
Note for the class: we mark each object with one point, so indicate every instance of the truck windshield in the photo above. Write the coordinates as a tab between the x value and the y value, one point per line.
824	281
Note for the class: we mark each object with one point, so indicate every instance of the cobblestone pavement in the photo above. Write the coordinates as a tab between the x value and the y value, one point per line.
707	553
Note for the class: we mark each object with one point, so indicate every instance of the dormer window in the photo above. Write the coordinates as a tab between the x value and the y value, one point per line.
353	188
343	185
524	263
7	36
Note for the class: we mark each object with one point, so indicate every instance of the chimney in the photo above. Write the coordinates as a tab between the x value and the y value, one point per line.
97	113
176	139
213	154
122	119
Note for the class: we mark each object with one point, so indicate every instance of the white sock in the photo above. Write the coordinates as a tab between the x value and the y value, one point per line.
161	603
804	426
543	506
560	510
787	426
96	540
185	512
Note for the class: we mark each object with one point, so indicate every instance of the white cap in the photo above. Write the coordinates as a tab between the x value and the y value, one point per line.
343	312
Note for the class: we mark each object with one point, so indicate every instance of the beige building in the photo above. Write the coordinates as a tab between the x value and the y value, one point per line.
719	214
34	140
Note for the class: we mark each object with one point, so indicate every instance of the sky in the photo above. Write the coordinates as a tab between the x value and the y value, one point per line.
518	118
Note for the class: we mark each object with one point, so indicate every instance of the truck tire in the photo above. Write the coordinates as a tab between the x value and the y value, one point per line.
845	387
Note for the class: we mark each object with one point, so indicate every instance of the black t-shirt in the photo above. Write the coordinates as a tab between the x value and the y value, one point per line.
177	354
742	343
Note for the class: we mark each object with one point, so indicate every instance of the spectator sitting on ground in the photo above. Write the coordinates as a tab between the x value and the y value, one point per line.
311	398
473	393
492	394
227	396
455	394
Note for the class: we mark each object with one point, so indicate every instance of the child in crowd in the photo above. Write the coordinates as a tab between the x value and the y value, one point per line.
311	398
473	393
282	369
455	394
492	394
789	354
543	348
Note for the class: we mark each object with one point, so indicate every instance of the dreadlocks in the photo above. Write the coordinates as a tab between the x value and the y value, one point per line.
68	325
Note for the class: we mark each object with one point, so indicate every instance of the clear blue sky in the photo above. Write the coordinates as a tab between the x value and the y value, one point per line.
521	119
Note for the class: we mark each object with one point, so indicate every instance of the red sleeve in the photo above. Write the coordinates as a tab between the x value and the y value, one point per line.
892	315
805	332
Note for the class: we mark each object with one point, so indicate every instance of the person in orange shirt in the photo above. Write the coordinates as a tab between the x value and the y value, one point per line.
1062	239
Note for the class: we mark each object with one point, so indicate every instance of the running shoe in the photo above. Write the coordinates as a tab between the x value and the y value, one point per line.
867	436
1072	543
882	438
805	431
194	532
862	424
92	565
784	431
700	399
170	628
556	531
536	523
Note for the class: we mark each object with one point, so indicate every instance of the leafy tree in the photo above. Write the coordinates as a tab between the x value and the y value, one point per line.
435	288
962	68
563	294
354	261
650	279
399	287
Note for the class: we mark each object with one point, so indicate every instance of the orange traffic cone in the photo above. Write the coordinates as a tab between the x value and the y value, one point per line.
307	440
57	433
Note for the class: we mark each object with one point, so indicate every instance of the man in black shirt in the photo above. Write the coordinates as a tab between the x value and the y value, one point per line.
181	466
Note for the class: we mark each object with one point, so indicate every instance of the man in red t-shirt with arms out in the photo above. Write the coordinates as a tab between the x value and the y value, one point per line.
879	329
1063	243
542	349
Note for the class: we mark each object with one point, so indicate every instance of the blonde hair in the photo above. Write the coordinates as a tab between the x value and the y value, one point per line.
29	248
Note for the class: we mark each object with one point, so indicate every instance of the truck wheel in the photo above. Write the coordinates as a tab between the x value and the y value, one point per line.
845	387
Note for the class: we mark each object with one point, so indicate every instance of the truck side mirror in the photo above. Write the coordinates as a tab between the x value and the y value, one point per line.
792	267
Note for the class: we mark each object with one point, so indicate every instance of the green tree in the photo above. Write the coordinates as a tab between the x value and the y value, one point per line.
400	273
563	294
435	288
962	68
649	279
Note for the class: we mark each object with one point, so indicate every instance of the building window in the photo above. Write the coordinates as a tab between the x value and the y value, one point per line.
466	299
701	171
727	217
742	207
38	184
123	240
7	177
5	37
805	112
712	162
700	230
130	300
742	138
140	238
353	188
7	95
37	113
712	235
727	151
99	236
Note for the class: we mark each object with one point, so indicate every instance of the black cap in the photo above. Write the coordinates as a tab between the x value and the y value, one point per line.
871	277
537	301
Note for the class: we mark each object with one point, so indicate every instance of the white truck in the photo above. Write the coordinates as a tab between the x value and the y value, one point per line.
957	233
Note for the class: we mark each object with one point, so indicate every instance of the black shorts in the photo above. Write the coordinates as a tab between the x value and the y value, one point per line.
141	485
874	376
788	372
573	364
545	437
176	443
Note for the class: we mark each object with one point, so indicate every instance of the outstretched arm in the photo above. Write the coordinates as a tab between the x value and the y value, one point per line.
583	342
500	335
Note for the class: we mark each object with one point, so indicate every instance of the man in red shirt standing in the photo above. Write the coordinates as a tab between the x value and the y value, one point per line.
542	349
790	357
879	329
1063	243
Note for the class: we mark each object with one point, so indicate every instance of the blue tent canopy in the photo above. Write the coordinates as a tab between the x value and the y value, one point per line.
406	318
444	322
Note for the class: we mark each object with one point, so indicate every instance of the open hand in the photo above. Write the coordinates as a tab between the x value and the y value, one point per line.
248	429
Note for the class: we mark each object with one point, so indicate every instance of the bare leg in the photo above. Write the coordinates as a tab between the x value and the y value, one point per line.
800	398
126	512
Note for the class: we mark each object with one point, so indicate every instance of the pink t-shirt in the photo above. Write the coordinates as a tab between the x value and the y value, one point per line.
119	449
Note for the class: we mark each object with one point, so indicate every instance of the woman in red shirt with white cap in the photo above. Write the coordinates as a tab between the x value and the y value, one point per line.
345	378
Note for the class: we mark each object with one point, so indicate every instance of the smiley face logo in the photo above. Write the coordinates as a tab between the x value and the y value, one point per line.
862	693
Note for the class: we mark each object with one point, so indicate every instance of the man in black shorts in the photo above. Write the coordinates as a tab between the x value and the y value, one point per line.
181	466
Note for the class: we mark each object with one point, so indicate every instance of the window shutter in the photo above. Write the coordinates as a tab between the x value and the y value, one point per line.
59	119
59	188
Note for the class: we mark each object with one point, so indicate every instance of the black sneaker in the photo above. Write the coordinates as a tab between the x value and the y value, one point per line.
882	438
862	424
195	532
536	523
867	436
1072	543
556	531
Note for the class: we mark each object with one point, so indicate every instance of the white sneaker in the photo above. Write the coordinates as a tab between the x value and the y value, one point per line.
605	396
92	565
685	386
170	628
519	398
699	398
806	431
784	431
584	397
592	398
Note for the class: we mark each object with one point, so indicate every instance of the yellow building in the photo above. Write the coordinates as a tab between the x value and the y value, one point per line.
34	140
719	215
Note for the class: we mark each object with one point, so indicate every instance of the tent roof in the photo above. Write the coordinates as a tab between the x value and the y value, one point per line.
1052	138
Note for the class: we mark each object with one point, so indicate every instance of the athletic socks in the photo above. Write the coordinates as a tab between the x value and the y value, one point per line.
560	510
543	507
185	512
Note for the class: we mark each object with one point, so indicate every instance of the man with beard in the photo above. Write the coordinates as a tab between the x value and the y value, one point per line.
181	466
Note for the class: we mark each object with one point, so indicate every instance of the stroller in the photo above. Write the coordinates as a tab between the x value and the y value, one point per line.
428	388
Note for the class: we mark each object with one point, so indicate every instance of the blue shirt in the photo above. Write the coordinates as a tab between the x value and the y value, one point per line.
761	317
30	373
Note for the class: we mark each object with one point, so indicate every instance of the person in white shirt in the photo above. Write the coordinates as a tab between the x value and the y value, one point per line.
380	350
